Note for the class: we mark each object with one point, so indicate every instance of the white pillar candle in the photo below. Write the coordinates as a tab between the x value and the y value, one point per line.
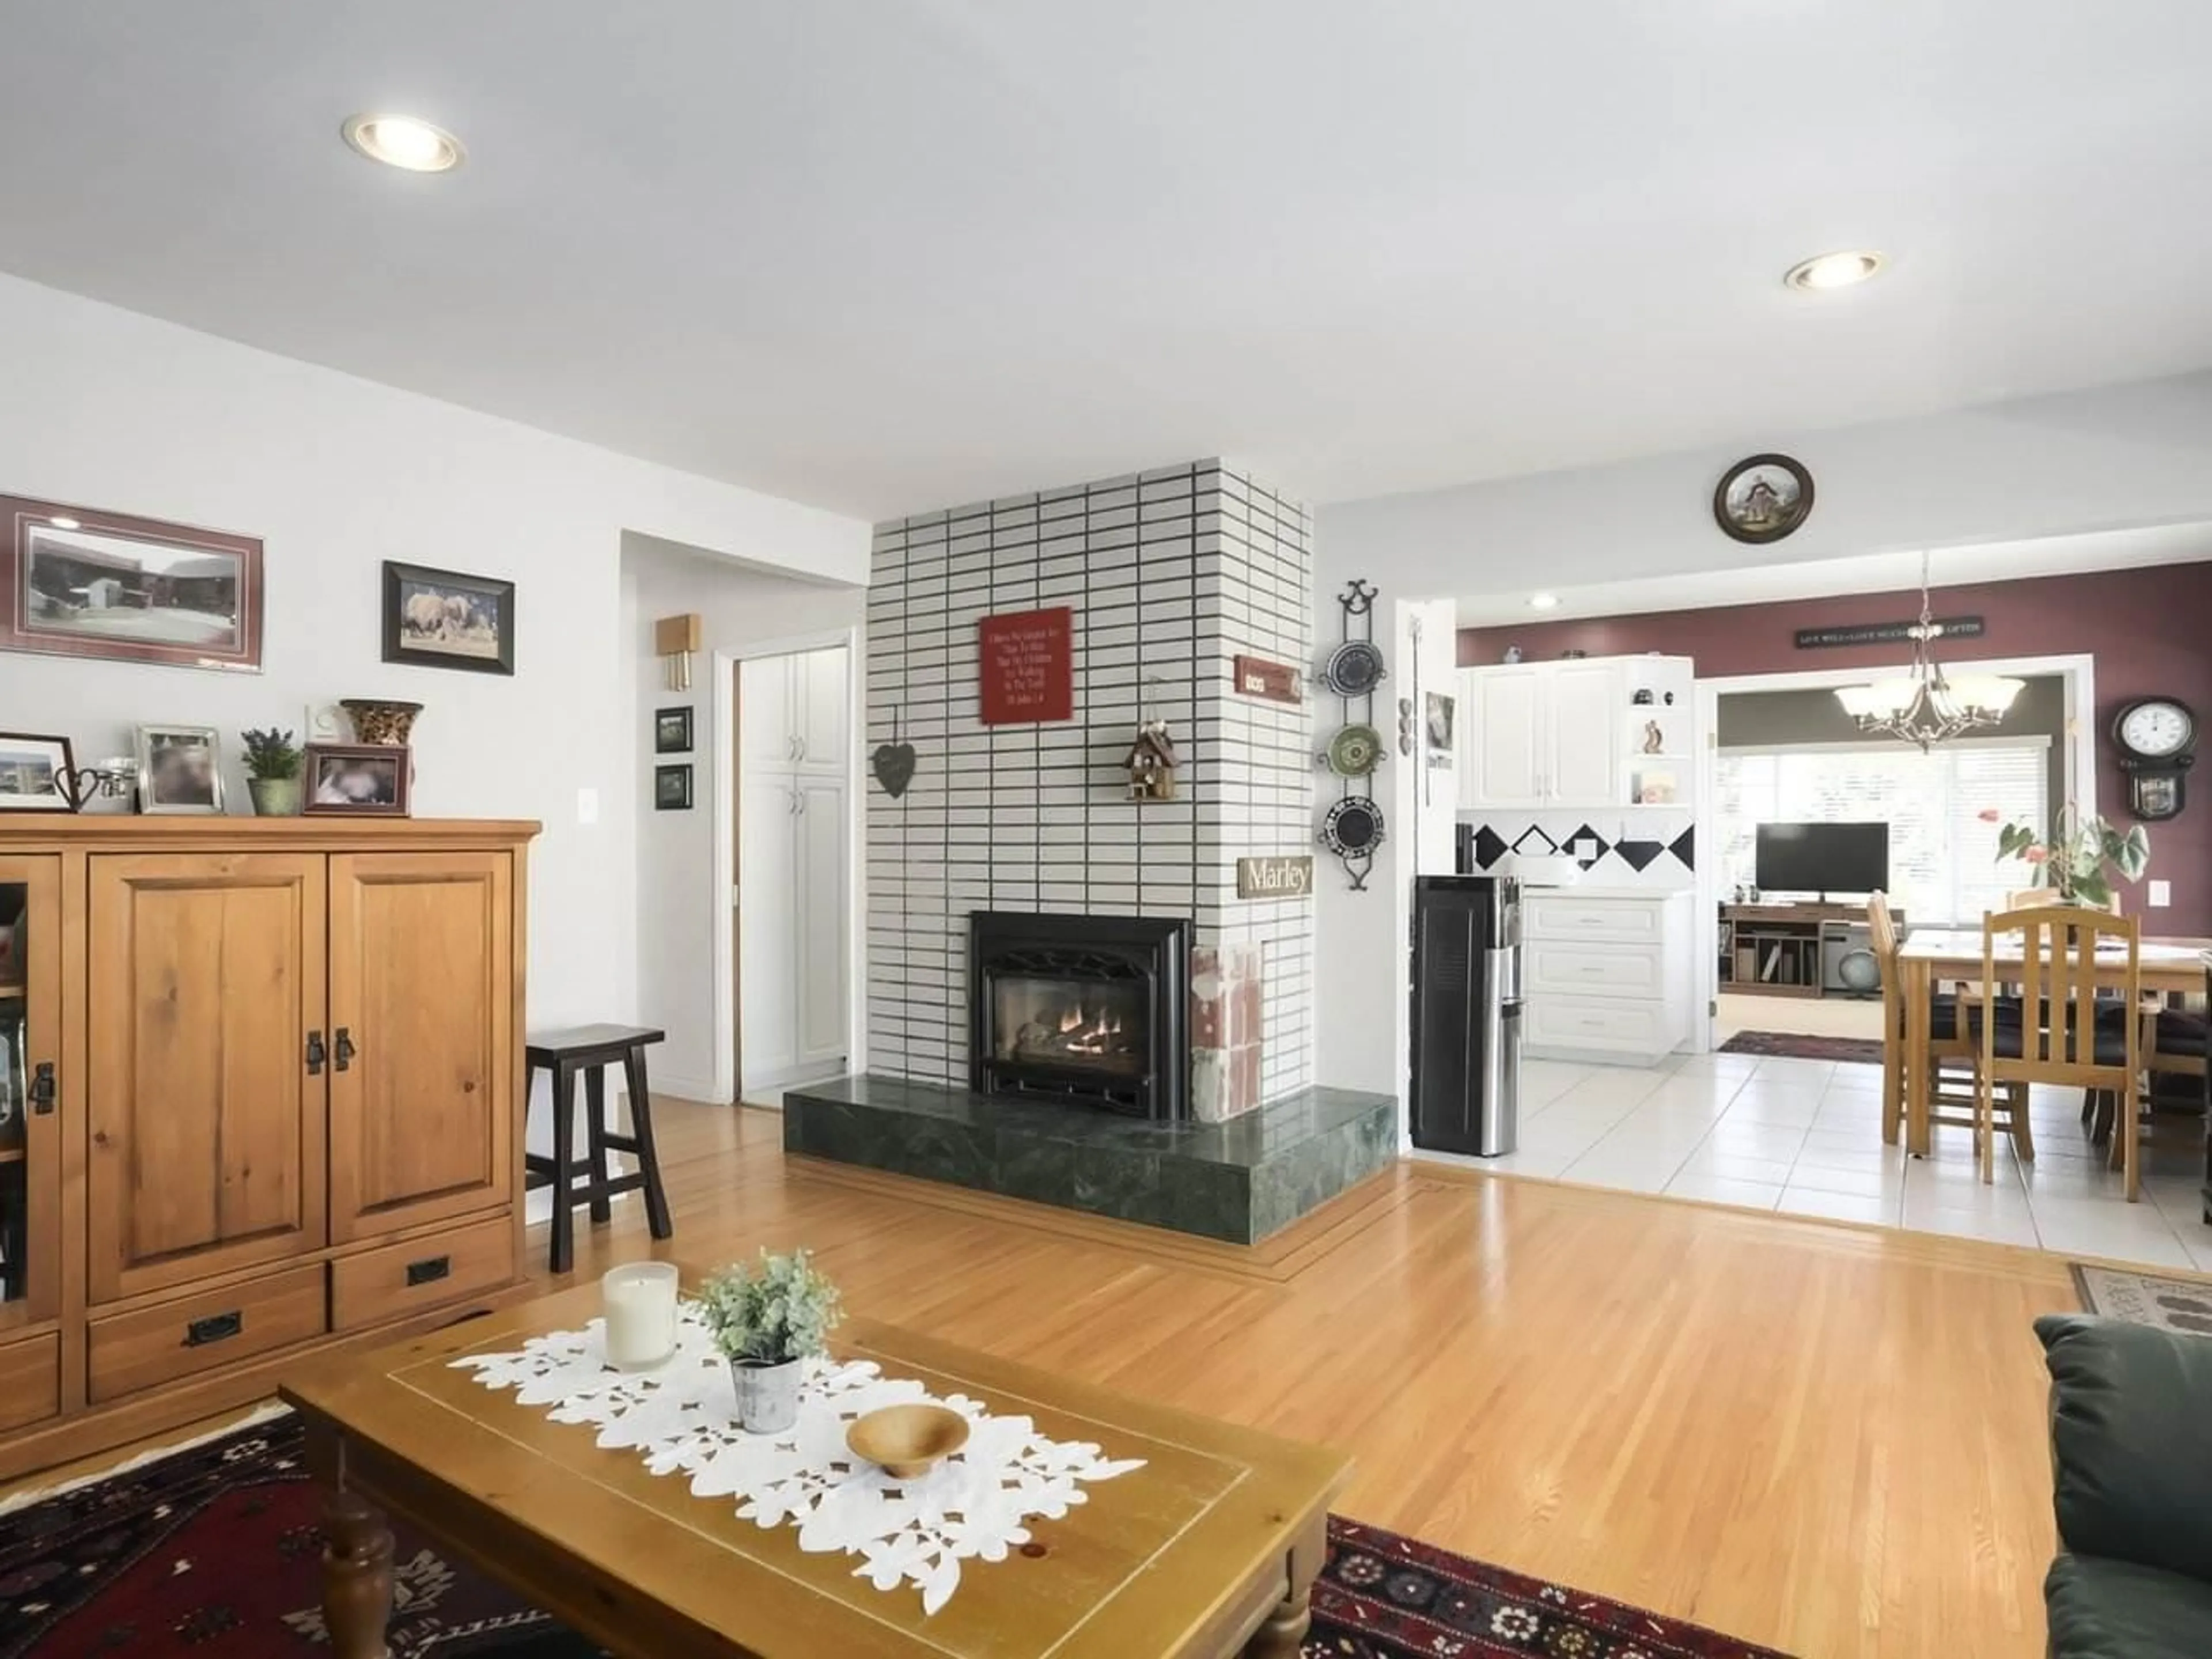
641	1315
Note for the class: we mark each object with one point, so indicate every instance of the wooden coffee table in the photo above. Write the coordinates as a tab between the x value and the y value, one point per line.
1210	1549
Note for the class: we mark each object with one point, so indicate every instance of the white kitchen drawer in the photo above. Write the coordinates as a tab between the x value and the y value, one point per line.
1593	1024
1621	970
1562	916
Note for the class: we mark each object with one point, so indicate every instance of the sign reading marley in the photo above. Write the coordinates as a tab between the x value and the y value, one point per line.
1288	876
1946	628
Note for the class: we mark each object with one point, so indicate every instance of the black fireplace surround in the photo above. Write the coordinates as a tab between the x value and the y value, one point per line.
1093	1010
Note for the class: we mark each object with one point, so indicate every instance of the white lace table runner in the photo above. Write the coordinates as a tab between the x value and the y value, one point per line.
682	1418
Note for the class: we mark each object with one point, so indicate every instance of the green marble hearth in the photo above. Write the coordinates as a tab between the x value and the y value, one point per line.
1238	1181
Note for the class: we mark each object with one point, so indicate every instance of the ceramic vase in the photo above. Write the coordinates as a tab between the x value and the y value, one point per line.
275	798
379	722
768	1395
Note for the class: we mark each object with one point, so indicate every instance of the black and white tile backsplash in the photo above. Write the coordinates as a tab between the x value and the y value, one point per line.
1653	847
1170	574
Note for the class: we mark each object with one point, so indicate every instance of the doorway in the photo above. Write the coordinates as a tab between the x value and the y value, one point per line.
787	999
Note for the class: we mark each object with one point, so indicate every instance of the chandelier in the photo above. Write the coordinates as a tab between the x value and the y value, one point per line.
1924	705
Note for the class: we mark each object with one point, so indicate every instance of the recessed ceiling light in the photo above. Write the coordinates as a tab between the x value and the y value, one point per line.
62	524
1828	271
1543	602
402	141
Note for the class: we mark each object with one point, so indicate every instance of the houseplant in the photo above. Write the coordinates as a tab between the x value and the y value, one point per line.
272	765
768	1320
2080	859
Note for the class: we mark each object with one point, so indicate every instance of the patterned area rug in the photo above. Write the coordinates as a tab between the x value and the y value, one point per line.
1797	1045
2172	1304
215	1552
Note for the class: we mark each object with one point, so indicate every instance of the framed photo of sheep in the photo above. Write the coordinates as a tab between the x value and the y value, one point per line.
445	619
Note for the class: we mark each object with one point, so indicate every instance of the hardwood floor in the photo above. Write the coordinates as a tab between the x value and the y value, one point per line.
1824	1439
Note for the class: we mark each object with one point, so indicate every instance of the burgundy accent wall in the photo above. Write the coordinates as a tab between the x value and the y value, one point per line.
2149	630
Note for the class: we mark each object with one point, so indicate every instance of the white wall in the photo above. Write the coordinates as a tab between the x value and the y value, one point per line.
112	409
679	924
2113	458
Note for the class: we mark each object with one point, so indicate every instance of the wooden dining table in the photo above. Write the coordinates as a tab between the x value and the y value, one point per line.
1931	956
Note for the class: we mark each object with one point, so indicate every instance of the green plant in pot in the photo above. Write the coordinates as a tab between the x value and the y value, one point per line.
2082	857
768	1320
272	766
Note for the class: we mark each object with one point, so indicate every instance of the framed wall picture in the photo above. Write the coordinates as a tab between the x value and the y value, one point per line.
179	770
445	619
672	788
1762	498
30	768
83	582
357	780
1442	714
671	731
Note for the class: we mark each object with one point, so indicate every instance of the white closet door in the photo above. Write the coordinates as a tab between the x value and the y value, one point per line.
767	926
821	920
768	727
822	724
1590	707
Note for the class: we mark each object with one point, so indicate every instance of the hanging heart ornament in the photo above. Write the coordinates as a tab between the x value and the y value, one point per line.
894	765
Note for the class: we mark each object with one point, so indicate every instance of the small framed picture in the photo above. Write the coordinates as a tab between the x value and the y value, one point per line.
1442	712
179	770
672	788
444	619
29	769
671	731
356	779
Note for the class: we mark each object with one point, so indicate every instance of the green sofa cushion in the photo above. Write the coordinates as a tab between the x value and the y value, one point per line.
2132	1442
2101	1609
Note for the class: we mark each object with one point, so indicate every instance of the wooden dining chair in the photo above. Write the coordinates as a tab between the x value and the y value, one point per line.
1953	1104
2055	1035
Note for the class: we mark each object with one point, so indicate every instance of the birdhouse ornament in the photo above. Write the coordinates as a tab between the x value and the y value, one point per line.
1152	763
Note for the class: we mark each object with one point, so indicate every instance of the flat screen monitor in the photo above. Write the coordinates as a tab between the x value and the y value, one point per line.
1823	858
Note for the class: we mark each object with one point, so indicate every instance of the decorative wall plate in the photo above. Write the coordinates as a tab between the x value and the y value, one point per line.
1762	498
1354	669
1353	828
1354	751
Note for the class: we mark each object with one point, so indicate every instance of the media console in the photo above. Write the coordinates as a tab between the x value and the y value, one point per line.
1793	950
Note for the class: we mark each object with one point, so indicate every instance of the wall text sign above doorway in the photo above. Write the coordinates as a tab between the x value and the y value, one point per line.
1946	628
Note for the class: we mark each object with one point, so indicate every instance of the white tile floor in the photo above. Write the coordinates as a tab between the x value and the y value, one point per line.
1804	1137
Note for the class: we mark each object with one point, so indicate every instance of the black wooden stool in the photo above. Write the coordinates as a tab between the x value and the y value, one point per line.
591	1049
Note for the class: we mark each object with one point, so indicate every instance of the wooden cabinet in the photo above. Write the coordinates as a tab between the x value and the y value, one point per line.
423	1036
272	1103
203	1096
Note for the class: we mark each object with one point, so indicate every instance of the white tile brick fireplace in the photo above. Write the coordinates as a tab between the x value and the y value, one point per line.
1171	575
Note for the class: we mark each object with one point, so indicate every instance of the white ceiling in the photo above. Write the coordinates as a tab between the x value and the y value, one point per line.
1872	573
884	255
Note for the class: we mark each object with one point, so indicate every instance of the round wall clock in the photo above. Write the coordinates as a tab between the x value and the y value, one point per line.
1762	498
2157	740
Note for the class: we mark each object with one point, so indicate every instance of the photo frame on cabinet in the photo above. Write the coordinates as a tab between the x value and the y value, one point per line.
180	770
31	769
84	582
357	780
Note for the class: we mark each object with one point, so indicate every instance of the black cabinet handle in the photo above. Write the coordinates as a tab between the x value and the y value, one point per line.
42	1088
214	1328
315	1054
345	1050
429	1270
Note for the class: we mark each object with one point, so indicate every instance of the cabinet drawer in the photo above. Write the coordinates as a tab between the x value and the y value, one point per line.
395	1279
1589	1023
205	1332
1555	915
30	1380
1625	970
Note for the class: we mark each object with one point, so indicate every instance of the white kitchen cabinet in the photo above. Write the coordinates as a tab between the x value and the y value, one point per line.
792	711
821	869
1569	733
1606	976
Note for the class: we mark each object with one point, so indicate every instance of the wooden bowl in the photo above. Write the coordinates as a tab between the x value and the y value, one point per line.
907	1440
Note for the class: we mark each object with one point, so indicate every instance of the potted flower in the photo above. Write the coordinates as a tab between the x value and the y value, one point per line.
2081	858
272	765
768	1320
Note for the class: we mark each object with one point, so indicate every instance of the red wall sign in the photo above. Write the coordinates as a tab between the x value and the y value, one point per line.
1029	666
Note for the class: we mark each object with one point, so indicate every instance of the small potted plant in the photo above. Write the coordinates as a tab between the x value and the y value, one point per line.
2080	859
272	765
768	1320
